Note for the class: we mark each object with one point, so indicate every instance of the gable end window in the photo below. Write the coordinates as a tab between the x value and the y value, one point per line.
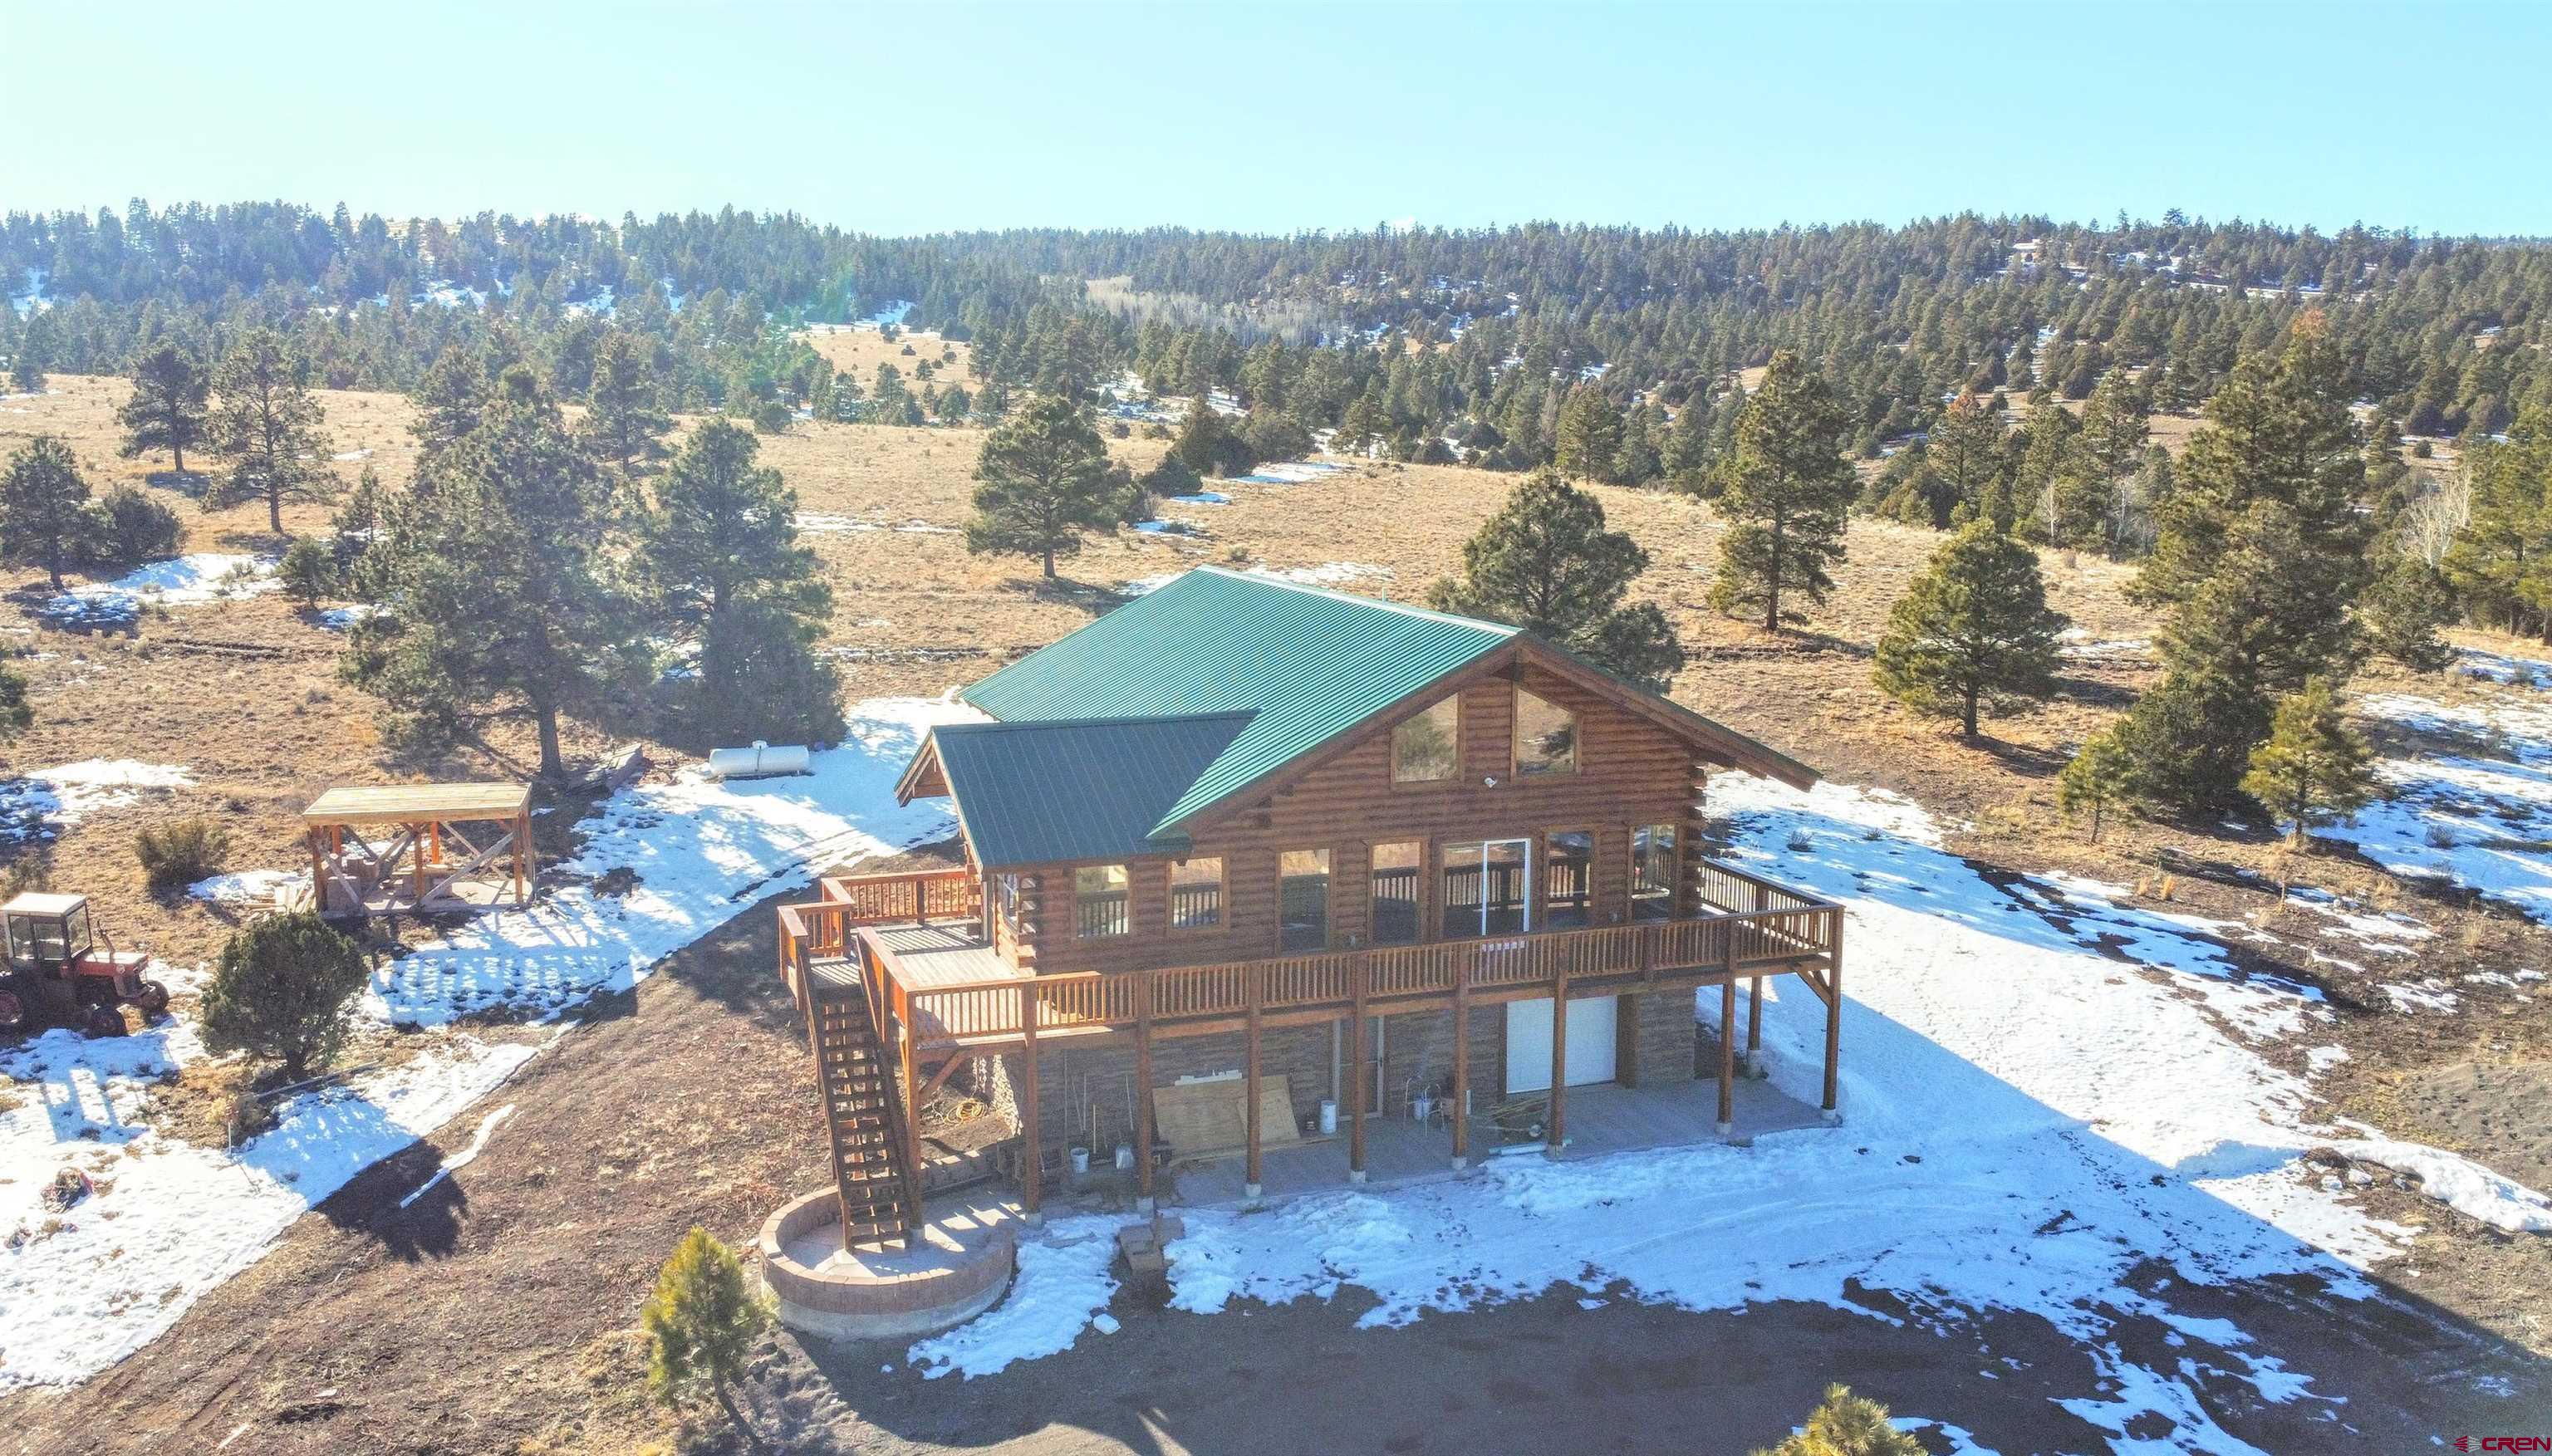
1545	737
1427	748
1196	893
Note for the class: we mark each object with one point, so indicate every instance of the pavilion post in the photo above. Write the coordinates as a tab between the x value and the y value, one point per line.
1754	1024
1834	1015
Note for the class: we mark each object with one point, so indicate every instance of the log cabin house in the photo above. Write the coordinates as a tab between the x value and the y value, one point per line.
1242	847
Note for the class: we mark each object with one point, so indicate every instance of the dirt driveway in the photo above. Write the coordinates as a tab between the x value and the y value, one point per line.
495	1315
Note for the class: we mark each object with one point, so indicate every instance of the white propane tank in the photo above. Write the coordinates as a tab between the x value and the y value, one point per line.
761	760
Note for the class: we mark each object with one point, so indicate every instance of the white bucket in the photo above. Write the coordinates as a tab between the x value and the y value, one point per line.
1328	1117
1124	1157
1080	1160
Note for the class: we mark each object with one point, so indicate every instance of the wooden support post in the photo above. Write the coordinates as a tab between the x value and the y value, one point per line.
1143	1093
530	858
318	873
1834	1014
522	845
1356	1071
1031	1148
435	832
1558	1134
1728	1057
921	901
1753	1019
1252	1184
1462	1062
416	880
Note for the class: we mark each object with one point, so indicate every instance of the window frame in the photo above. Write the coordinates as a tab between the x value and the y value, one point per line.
1421	875
1329	897
1221	897
1391	742
1675	870
1126	872
1542	876
1515	739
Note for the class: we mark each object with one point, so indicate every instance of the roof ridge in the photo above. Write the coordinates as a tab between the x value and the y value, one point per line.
1112	721
1356	599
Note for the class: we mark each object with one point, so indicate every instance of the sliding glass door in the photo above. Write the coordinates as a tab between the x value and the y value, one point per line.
1487	888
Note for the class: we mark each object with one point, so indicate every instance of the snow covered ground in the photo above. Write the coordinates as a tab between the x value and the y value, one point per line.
2044	1088
44	801
187	580
2475	808
168	1220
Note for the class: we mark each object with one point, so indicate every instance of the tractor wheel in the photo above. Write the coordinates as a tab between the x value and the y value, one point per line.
153	999
13	1012
102	1021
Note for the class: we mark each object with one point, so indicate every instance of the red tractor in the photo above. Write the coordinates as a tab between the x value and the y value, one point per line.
62	970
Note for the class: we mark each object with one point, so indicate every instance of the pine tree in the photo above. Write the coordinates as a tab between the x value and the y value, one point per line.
44	516
702	1321
16	714
448	400
2313	768
1965	450
722	565
1207	444
1847	1424
1042	482
1972	630
166	410
2405	604
2096	779
2501	560
1590	434
283	992
496	598
129	528
352	529
308	571
1546	563
624	419
1787	486
269	426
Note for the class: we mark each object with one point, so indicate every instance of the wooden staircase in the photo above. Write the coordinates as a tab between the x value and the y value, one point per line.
863	1114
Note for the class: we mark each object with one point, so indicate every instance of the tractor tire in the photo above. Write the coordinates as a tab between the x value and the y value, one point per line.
154	998
13	1012
102	1021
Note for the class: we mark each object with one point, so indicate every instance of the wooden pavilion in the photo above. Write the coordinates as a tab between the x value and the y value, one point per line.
432	848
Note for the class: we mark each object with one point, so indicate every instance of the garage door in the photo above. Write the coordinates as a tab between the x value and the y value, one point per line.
1590	1043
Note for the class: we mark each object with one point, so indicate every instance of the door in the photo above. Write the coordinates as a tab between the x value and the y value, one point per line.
1488	889
1590	1042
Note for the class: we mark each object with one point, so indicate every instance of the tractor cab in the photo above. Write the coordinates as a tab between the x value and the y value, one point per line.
58	969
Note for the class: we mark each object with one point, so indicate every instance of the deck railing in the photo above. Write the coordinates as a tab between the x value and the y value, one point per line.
1755	922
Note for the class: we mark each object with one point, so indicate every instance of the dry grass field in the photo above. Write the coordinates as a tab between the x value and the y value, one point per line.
244	692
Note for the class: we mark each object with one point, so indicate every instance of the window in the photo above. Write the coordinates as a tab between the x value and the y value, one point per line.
1652	872
1098	902
1487	888
1567	879
1397	869
1545	737
1006	896
1302	900
1196	893
1427	748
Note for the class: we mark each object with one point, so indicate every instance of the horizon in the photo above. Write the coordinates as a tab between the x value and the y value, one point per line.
989	118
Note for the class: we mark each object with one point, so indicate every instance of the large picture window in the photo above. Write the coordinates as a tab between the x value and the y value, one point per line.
1398	890
1302	900
1427	748
1568	881
1196	893
1545	737
1098	902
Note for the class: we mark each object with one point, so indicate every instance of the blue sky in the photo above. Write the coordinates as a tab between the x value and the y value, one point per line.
903	120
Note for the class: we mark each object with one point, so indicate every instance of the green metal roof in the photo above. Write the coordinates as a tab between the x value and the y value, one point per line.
1302	663
1038	793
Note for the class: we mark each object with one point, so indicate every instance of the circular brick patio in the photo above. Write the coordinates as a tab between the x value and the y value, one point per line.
956	1266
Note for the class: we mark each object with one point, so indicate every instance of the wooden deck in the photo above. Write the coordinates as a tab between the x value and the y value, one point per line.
913	948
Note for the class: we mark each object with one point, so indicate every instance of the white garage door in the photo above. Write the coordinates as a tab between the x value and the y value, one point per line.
1590	1043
